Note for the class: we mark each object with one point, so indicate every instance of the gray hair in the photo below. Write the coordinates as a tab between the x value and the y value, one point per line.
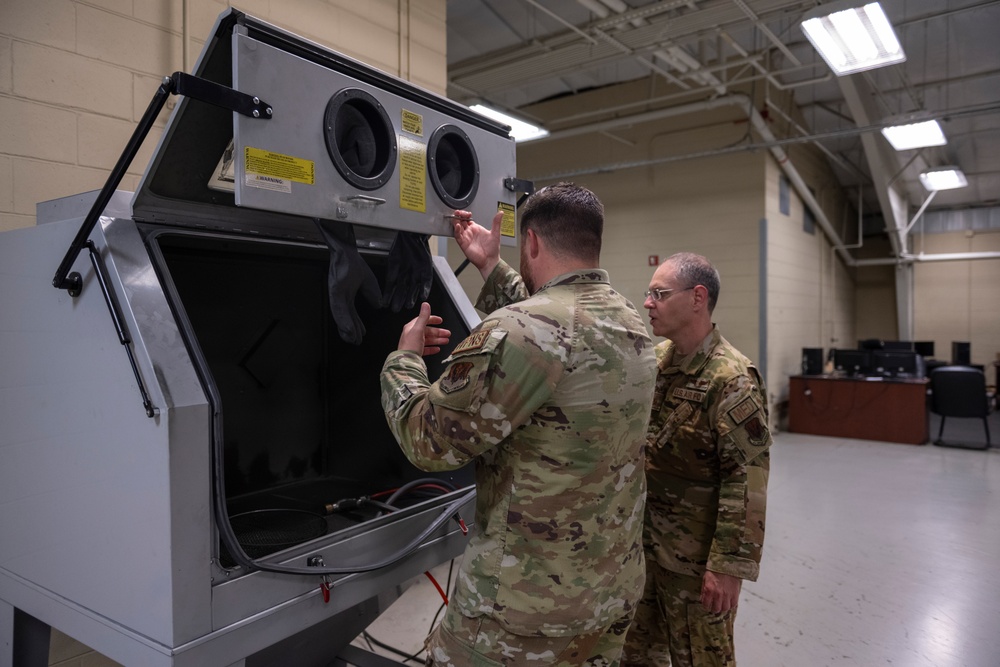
694	270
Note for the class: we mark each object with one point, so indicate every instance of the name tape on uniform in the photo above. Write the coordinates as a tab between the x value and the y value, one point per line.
475	341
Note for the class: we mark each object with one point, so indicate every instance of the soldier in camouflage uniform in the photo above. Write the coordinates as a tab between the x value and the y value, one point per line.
707	461
550	396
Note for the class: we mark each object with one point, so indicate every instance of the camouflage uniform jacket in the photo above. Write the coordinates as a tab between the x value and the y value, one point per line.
707	461
550	396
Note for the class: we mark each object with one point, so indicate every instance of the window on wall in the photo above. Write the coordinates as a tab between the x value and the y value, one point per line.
784	198
809	218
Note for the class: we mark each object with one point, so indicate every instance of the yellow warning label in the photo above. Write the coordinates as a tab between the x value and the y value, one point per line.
412	175
413	123
507	222
276	165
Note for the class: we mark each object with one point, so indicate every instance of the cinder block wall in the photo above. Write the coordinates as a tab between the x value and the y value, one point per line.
673	185
75	77
957	301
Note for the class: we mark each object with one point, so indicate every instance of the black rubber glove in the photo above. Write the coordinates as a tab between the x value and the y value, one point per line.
349	274
410	273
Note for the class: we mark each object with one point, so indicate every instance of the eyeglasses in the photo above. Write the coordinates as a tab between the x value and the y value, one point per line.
660	294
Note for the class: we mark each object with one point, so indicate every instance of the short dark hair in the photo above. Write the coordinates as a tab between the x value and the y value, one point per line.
569	217
692	269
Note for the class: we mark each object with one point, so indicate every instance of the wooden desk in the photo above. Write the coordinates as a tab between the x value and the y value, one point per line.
887	410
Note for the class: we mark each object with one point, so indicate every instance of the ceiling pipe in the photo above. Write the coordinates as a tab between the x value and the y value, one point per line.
561	20
771	78
937	257
648	116
743	103
767	32
797	182
674	56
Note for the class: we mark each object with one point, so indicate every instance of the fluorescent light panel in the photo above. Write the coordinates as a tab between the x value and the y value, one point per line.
853	37
943	178
519	130
915	135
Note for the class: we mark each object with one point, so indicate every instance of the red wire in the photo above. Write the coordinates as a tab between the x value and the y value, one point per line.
460	521
437	586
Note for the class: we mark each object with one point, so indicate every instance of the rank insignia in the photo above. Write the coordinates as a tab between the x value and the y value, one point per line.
457	377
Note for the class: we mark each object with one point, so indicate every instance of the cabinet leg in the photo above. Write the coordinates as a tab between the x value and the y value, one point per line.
24	640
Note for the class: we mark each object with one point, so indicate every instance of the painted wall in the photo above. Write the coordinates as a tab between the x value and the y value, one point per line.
712	205
958	301
682	184
810	290
75	77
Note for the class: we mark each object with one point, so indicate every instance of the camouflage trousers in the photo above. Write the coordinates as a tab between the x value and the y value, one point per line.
673	629
482	642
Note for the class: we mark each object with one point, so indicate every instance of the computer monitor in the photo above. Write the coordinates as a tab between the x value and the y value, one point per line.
895	363
961	353
852	362
870	344
905	345
925	348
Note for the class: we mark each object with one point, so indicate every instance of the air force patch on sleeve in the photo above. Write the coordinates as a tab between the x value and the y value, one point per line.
457	377
756	431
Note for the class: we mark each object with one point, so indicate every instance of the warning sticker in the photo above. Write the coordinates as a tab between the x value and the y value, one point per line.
413	123
507	223
267	182
259	162
412	175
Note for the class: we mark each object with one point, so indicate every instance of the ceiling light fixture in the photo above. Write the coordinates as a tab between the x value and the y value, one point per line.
852	36
943	178
915	135
519	129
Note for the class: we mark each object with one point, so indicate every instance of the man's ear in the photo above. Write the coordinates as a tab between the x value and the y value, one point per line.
534	244
700	296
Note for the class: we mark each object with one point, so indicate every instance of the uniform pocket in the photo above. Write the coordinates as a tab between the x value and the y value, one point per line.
448	650
711	637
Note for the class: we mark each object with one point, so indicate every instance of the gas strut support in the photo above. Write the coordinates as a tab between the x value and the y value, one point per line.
101	271
177	84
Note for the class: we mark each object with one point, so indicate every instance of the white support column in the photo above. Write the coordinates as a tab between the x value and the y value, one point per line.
904	301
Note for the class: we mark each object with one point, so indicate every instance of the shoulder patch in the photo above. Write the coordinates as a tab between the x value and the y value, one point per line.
475	341
743	410
457	377
756	431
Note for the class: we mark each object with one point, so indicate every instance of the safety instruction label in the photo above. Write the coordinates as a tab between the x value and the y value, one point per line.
267	183
269	169
507	222
412	175
413	123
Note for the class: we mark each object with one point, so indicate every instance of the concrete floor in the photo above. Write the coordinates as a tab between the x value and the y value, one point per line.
876	554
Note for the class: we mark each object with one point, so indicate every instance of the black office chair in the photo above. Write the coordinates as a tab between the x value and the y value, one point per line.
960	391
